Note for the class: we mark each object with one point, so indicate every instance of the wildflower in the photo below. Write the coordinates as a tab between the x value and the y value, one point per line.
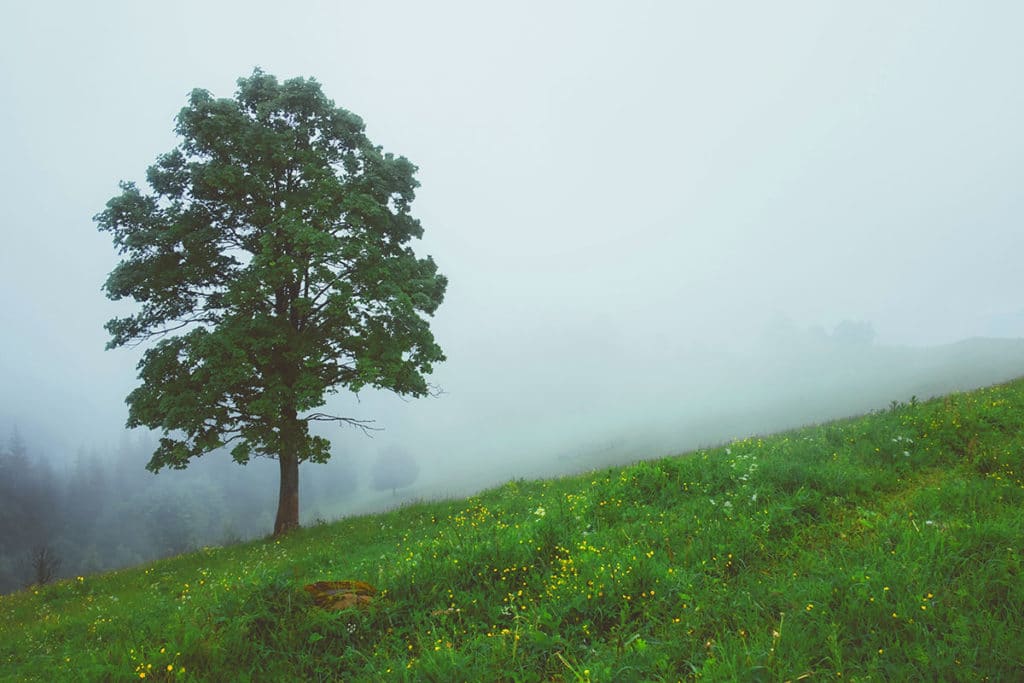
540	512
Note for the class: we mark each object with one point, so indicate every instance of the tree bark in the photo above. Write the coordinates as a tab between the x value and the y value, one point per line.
288	497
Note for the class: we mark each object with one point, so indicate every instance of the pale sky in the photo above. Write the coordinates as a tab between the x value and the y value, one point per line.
600	180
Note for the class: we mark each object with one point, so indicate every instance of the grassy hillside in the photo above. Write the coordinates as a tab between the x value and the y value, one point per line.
887	547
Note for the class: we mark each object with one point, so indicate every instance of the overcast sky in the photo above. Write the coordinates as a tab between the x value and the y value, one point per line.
599	180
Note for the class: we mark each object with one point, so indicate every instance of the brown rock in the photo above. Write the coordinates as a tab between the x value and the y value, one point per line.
338	595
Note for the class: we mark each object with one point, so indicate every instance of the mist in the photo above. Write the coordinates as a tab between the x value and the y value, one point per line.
664	225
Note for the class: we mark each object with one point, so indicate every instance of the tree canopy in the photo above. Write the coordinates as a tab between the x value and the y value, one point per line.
272	264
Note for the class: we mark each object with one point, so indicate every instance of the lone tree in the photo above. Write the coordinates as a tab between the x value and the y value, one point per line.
272	265
394	469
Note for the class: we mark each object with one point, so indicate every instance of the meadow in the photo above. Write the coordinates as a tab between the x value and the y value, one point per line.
883	547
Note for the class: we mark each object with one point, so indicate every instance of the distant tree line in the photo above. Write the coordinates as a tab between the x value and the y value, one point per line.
99	511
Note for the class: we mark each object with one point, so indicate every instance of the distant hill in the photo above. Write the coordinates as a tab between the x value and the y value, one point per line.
798	383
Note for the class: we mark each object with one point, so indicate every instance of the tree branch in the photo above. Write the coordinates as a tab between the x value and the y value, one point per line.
363	425
328	285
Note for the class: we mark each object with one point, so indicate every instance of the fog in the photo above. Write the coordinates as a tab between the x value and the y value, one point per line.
665	225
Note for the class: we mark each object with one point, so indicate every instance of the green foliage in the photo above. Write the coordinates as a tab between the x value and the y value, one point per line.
278	233
879	548
272	265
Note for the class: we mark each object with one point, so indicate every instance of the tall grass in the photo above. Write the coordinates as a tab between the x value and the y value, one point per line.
886	547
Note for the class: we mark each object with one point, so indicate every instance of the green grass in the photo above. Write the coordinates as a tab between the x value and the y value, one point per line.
886	547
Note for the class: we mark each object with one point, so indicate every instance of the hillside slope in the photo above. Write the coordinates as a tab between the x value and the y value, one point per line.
886	547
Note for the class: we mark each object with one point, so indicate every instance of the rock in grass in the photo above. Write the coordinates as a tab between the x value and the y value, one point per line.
338	595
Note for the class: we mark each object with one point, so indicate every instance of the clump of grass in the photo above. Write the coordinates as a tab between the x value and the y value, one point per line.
881	547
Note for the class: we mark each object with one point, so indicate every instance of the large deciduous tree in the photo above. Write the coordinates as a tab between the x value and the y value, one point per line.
272	264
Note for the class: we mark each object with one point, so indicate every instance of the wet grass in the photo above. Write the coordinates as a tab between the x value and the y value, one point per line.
885	547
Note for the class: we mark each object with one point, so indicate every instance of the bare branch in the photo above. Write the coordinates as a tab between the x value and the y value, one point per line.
363	425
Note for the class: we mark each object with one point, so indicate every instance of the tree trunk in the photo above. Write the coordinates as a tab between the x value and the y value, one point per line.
288	498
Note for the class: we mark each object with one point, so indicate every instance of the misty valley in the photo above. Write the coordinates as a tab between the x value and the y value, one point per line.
65	515
686	343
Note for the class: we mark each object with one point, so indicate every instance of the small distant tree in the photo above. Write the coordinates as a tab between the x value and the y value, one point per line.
273	266
16	447
394	469
43	565
29	499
